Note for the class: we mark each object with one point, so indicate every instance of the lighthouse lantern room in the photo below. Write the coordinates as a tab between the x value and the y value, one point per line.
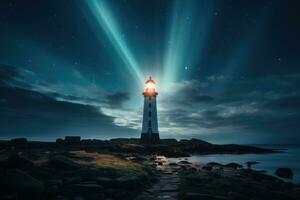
150	134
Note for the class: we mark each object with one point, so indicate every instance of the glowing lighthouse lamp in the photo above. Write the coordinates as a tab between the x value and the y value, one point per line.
150	133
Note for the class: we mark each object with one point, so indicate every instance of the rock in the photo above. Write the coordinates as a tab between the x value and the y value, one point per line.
193	196
16	161
160	163
72	180
78	198
9	196
52	190
20	182
284	173
88	174
82	188
105	182
207	167
173	164
57	182
62	163
60	198
20	142
184	162
127	181
249	164
234	165
214	164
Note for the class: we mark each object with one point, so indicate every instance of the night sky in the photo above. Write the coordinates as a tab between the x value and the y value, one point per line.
226	71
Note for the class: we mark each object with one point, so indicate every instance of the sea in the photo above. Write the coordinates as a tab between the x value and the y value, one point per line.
289	157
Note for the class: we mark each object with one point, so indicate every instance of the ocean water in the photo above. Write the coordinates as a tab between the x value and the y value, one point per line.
269	162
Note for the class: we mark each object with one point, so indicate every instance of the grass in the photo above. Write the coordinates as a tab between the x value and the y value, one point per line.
101	160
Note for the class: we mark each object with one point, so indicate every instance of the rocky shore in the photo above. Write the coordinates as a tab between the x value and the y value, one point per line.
72	175
120	170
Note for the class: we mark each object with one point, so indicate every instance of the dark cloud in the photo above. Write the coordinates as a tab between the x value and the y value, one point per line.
244	107
117	98
291	103
7	74
33	114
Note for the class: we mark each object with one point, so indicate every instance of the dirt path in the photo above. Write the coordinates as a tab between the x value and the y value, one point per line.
167	185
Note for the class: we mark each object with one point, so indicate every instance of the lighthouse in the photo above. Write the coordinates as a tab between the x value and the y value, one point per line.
150	133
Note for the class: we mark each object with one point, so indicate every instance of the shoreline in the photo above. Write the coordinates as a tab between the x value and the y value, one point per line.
69	174
120	170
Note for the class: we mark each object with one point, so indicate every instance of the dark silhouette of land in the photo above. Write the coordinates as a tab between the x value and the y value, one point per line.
72	168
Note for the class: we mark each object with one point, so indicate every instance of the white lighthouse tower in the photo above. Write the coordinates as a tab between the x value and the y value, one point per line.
150	133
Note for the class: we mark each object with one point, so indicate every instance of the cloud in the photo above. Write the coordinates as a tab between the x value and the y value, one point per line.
254	105
30	113
117	98
247	109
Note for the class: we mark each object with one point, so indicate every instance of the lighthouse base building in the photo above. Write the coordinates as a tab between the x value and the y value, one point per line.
150	134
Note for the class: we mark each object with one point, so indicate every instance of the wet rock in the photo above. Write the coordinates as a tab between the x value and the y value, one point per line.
62	163
173	164
249	164
214	164
184	162
20	182
284	173
234	165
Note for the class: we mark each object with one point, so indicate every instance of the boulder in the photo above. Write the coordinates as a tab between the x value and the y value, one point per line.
173	164
207	167
249	164
284	173
52	190
105	182
19	142
184	162
16	161
83	188
234	165
18	181
60	198
214	164
62	163
127	181
72	180
78	198
57	182
88	174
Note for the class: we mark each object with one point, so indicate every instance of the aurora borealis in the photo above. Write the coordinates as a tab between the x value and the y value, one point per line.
226	71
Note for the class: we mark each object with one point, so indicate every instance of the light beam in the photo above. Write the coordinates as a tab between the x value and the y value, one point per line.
189	26
106	20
